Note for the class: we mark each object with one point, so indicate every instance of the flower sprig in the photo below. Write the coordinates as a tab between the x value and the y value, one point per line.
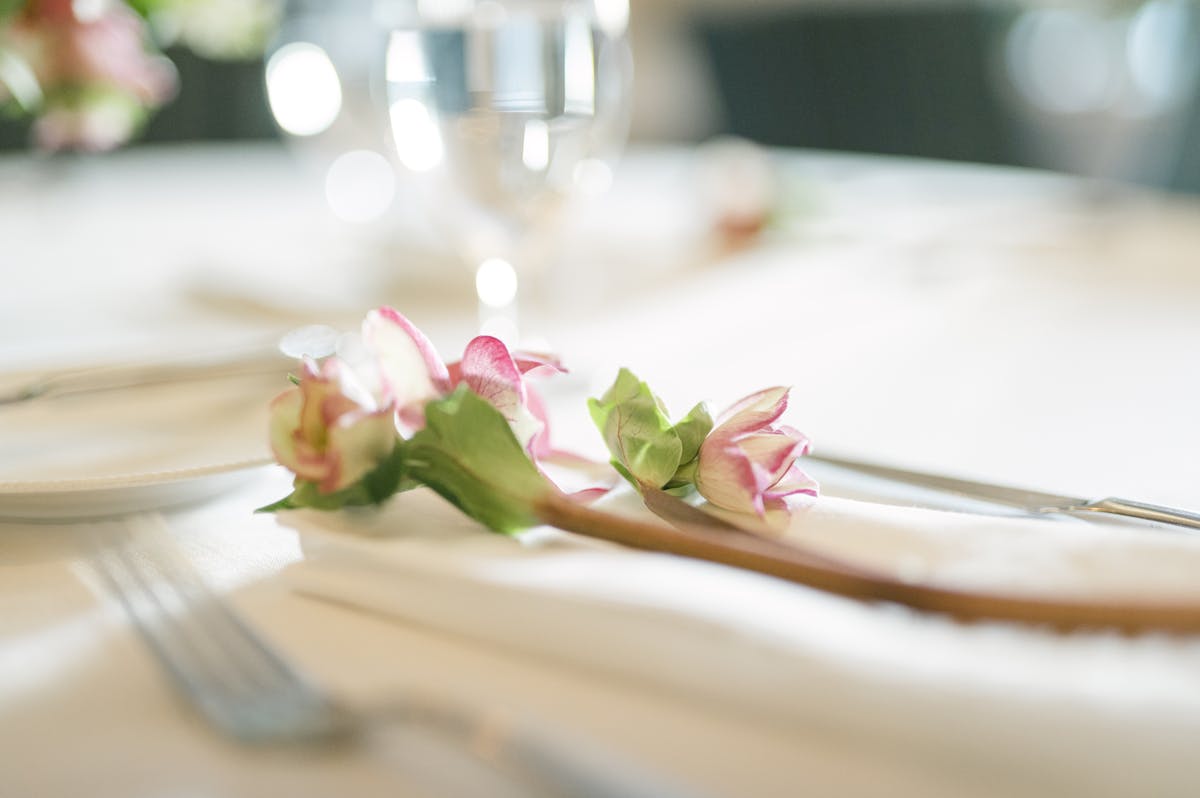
353	441
476	432
92	74
746	463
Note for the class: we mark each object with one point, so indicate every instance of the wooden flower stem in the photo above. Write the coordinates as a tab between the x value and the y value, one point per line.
795	564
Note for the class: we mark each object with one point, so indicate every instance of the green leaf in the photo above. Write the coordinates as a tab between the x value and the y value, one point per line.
636	430
9	7
468	454
144	8
692	430
684	479
385	480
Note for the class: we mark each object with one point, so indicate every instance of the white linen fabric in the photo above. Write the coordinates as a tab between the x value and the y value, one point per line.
785	654
995	324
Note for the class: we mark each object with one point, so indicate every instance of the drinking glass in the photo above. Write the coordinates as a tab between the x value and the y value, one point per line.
1104	89
506	108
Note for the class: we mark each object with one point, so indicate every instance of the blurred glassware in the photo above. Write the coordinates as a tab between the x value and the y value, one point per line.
505	109
324	86
1104	89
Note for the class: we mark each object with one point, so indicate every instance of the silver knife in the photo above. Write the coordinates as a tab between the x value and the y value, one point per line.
111	378
1031	501
279	356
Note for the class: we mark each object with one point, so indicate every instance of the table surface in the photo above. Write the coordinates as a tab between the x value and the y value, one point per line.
1002	324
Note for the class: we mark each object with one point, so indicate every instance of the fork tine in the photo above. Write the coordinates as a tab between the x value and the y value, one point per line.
239	683
213	627
130	590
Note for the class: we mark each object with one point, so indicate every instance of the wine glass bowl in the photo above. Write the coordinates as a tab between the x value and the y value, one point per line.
506	108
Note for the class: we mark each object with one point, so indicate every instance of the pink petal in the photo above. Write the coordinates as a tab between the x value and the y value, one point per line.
771	454
798	436
726	477
284	421
536	364
795	481
314	388
588	495
489	370
356	445
308	460
410	368
530	365
539	446
754	412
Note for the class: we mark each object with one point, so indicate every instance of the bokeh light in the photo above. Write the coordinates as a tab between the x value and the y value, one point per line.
535	150
1162	62
496	283
360	186
1064	60
418	141
592	177
613	16
303	89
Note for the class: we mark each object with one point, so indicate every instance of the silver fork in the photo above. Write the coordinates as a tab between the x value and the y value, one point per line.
222	666
243	687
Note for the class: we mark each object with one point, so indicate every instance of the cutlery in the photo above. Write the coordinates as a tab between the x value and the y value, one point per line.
1031	501
243	687
313	341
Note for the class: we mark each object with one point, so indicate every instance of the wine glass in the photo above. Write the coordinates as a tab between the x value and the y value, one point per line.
506	108
1103	89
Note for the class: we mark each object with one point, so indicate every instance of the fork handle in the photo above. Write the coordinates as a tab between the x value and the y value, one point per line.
547	761
1142	511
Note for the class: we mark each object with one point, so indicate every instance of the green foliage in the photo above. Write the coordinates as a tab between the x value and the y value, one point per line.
468	454
144	7
647	449
385	480
9	8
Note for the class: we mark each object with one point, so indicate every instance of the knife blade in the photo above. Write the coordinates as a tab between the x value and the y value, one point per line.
1031	501
278	355
111	378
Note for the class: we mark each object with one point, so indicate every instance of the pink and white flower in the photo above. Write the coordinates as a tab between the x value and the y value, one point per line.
412	373
95	67
327	431
748	462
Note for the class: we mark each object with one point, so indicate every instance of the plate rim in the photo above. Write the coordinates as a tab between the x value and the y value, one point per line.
20	488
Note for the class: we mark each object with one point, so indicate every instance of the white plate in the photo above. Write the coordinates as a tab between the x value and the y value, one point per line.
132	450
111	496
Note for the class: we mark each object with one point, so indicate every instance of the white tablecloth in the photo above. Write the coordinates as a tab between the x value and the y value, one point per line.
985	322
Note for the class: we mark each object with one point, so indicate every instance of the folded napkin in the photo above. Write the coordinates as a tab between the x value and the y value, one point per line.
755	645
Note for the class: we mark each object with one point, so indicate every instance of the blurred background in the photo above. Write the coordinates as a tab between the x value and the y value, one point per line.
1102	89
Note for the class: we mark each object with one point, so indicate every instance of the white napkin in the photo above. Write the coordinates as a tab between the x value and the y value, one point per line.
786	654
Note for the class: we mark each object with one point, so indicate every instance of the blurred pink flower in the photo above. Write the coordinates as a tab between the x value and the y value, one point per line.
738	185
96	126
412	373
748	463
96	68
326	431
108	47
